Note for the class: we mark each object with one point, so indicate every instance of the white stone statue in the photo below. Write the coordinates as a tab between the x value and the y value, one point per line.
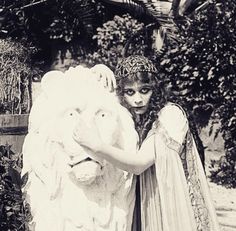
67	189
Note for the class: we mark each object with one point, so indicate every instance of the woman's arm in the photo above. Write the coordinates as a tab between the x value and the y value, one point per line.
136	162
172	119
175	123
133	162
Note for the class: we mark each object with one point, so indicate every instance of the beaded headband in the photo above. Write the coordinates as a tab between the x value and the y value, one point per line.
133	64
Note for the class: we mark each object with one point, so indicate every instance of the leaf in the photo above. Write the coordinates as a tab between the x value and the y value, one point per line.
24	179
165	61
232	121
7	208
10	214
186	68
210	74
195	73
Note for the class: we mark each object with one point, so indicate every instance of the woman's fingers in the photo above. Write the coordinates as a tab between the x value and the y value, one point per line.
113	81
87	135
106	76
104	80
109	80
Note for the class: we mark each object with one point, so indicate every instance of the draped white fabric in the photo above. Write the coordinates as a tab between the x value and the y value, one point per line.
174	192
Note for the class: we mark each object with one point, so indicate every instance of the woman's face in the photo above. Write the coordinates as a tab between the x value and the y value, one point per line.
137	96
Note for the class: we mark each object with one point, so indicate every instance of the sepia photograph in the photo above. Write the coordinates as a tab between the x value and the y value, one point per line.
117	115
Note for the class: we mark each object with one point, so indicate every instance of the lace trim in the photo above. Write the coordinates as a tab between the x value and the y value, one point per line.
201	212
170	142
190	167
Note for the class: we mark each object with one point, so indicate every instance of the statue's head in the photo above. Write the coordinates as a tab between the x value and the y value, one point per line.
74	96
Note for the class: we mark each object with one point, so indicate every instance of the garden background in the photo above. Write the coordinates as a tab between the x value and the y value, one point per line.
197	68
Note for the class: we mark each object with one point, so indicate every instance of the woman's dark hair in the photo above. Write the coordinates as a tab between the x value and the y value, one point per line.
139	68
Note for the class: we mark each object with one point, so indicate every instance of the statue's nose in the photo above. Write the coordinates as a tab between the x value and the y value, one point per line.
87	118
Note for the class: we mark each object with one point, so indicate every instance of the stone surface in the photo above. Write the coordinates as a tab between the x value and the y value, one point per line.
93	194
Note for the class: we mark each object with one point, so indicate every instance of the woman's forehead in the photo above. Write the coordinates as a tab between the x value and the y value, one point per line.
137	84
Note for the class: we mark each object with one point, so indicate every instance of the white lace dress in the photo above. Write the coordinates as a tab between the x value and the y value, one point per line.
174	191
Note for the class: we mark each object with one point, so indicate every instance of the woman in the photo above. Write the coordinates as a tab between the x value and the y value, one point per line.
173	187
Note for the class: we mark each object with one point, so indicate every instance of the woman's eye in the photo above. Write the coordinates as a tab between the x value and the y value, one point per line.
145	90
129	92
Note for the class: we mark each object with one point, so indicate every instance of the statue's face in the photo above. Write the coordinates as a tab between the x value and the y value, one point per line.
98	109
73	98
104	118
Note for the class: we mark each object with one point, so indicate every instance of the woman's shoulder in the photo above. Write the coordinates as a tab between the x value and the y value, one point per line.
172	110
172	118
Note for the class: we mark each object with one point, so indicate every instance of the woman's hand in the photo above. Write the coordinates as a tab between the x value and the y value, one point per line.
105	75
88	137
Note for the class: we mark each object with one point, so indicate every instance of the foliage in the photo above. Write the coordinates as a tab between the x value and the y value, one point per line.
202	70
111	40
123	36
50	24
58	18
12	19
12	213
16	74
71	19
